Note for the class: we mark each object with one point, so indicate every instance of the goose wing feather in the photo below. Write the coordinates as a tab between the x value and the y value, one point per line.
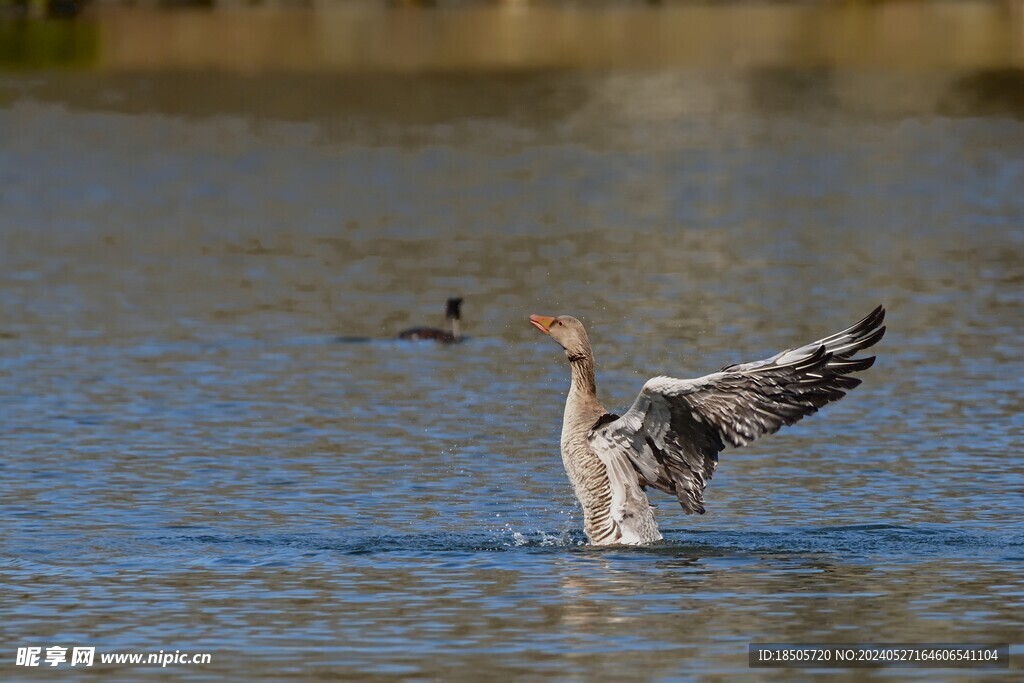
676	428
629	509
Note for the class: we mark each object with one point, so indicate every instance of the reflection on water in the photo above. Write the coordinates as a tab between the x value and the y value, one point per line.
198	457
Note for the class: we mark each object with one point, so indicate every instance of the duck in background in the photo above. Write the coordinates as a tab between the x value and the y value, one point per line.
452	313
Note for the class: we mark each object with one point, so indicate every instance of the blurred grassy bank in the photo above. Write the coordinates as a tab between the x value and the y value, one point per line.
49	43
514	36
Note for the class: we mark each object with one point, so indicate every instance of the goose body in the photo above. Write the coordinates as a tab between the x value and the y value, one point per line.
671	436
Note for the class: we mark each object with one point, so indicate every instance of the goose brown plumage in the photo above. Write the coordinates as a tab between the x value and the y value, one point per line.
671	436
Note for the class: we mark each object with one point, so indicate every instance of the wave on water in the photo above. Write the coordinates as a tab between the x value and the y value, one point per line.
398	342
854	541
396	543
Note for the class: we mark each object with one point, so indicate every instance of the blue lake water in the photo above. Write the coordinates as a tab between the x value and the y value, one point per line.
193	460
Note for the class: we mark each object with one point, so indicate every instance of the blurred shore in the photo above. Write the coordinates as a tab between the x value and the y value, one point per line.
360	37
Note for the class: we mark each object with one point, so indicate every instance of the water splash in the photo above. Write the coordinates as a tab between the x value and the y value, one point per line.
543	539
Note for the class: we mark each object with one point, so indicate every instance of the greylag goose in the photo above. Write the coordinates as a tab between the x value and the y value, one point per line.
671	436
452	313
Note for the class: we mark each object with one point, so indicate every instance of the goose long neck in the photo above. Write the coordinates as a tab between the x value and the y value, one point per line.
581	362
456	330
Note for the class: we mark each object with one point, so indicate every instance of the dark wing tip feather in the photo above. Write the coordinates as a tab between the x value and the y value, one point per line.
845	383
872	338
845	366
820	356
690	502
859	329
871	320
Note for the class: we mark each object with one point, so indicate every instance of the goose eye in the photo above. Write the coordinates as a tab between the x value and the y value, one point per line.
559	323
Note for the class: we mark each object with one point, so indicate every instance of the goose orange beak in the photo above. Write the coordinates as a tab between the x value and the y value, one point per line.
542	322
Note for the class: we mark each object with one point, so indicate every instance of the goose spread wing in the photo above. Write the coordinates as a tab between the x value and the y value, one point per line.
675	429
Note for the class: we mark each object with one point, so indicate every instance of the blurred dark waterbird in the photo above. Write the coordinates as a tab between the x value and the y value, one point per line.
452	314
